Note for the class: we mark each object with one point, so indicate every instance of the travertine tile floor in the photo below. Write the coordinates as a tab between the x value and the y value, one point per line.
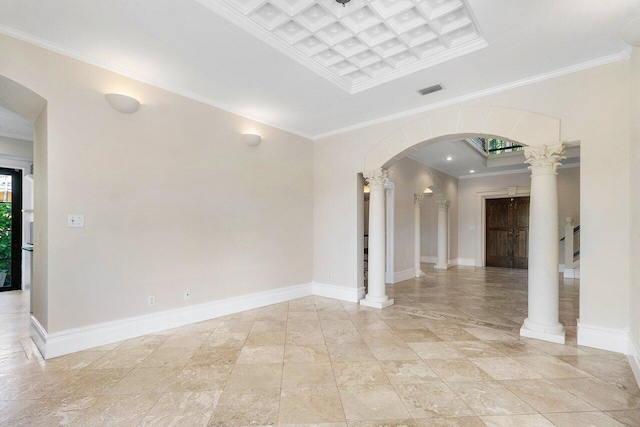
447	354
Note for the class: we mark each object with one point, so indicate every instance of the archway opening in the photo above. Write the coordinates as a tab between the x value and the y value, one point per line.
540	134
21	104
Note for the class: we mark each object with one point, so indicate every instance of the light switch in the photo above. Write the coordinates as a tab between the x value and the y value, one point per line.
75	220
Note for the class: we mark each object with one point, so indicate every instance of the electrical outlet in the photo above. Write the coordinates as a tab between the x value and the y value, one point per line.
151	301
75	220
330	276
187	294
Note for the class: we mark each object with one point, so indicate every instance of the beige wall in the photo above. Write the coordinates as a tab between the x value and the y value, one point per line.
568	203
634	198
406	173
593	108
172	197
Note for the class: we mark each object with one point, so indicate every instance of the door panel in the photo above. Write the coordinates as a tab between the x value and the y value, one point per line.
10	229
521	232
507	232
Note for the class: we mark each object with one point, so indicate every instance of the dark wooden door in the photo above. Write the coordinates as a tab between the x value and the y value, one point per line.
507	232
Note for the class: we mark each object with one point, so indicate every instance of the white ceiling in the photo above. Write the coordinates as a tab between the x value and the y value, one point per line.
15	126
186	47
466	158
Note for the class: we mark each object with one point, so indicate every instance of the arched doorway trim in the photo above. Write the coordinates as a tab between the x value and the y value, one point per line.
543	151
523	127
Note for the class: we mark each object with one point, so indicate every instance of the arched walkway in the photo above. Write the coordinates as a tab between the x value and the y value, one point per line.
543	151
25	102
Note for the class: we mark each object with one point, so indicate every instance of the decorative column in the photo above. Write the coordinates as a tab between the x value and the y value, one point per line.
443	235
377	293
542	321
417	199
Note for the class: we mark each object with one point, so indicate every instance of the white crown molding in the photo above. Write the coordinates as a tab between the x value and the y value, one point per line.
11	32
479	94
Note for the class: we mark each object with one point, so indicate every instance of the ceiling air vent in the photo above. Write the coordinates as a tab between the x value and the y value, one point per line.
430	89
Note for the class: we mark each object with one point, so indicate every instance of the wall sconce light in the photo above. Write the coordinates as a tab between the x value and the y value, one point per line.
631	32
251	139
122	103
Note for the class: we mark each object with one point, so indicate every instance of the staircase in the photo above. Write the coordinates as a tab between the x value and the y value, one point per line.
571	249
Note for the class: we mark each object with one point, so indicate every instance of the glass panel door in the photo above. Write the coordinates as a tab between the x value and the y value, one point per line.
10	229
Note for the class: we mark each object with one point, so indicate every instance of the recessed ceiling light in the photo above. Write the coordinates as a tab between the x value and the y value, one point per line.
472	171
449	158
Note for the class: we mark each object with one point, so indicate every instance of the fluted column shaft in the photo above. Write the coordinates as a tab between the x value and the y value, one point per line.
377	294
543	316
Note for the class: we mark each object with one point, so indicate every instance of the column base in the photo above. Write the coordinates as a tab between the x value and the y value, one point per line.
553	334
376	304
442	267
420	274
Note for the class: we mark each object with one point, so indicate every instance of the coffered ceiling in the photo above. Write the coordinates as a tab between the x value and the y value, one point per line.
361	44
253	57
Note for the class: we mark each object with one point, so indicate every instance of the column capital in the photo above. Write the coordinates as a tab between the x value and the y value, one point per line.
417	199
443	204
376	178
544	159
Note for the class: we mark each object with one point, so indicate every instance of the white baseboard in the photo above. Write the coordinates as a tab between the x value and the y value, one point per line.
399	276
452	262
72	340
337	292
603	338
633	354
77	339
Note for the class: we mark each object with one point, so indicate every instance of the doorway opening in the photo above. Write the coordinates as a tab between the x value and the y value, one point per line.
10	229
507	232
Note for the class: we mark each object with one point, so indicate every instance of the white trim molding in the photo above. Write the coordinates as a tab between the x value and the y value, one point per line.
71	340
337	292
603	338
400	276
452	262
633	354
481	215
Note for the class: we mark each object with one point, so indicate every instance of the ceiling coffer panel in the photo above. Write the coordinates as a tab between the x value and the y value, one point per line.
364	43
